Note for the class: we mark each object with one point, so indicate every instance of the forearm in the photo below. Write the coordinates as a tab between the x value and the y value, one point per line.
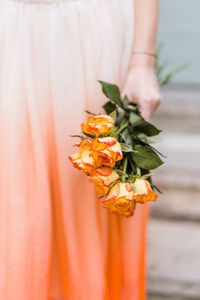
145	29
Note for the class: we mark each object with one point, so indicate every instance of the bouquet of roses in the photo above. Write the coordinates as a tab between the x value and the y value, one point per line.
116	153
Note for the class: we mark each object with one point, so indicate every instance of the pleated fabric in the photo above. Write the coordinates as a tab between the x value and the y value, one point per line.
56	240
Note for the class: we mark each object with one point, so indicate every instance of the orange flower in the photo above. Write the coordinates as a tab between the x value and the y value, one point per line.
120	200
106	151
100	124
103	177
144	192
82	160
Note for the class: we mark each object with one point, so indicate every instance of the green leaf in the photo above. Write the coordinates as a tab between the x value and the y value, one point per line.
133	188
113	134
126	136
148	175
126	147
79	136
134	118
168	77
120	172
154	187
125	100
113	114
111	185
112	92
109	107
122	126
154	139
158	152
131	106
149	139
147	128
90	113
92	136
146	158
142	137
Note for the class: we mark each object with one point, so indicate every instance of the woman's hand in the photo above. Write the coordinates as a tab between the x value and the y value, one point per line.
141	87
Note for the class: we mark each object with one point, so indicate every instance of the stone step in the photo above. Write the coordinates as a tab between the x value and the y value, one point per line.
181	150
179	118
178	204
174	229
182	162
179	102
161	297
173	260
180	110
179	177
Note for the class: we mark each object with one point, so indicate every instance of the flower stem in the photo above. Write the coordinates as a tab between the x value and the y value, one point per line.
148	175
125	164
122	127
138	171
131	162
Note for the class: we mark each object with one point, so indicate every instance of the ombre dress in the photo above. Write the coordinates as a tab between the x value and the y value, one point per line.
56	240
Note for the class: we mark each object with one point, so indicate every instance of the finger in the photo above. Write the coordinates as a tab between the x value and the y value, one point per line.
125	92
146	115
149	107
155	104
146	110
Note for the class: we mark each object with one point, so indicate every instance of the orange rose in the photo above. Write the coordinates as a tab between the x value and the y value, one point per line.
100	124
120	200
144	192
82	160
106	151
103	177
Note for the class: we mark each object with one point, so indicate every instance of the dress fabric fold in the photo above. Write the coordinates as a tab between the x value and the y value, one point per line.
56	240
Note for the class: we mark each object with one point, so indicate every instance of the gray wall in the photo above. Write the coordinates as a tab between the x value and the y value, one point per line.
179	29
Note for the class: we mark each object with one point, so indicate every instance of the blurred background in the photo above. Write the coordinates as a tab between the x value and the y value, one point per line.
174	229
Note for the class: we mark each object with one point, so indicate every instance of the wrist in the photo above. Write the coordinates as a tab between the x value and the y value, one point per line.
143	59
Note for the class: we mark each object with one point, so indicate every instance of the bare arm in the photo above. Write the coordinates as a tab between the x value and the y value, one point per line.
141	84
146	18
